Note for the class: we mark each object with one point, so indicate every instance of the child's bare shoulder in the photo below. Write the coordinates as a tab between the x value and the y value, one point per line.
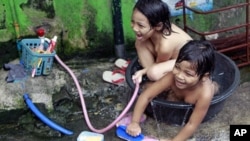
208	90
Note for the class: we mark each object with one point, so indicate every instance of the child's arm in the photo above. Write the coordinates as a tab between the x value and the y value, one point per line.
143	100
196	118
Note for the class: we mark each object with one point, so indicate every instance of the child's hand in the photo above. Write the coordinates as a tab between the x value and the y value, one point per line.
137	77
133	129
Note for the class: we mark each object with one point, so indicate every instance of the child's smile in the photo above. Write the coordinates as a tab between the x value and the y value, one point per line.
185	76
140	25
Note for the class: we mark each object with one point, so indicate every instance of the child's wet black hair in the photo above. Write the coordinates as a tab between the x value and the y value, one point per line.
156	11
200	54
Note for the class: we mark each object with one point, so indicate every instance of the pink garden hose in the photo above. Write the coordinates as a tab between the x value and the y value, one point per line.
84	105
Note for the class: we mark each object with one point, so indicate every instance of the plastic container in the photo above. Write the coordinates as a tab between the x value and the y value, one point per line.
38	62
90	136
226	74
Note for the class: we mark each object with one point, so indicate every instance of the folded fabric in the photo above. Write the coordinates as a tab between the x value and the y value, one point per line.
17	72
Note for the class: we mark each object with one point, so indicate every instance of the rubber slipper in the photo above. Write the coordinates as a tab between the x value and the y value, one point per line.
121	71
126	120
113	77
121	63
121	133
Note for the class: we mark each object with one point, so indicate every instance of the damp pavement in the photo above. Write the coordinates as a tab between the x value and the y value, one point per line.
110	100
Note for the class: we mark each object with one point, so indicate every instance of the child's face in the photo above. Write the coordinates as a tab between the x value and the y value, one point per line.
185	75
140	25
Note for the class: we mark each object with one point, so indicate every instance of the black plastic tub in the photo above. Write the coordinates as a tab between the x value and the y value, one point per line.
226	74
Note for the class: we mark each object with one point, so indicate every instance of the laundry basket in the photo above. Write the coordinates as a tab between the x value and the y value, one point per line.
39	62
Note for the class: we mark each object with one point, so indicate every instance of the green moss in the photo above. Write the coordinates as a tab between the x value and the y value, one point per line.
15	15
22	18
103	15
68	50
71	15
87	23
127	9
20	101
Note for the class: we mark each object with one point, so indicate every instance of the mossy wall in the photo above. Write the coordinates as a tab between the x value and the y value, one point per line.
84	27
81	25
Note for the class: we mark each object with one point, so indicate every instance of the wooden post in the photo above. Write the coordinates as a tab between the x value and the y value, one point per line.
16	26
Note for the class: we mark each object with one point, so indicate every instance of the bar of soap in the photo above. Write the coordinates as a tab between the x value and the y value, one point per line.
90	136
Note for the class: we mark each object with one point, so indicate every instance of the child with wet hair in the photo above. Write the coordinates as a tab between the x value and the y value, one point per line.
190	81
158	41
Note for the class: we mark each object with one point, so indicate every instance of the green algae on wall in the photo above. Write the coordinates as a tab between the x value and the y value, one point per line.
83	23
73	20
80	24
70	15
86	23
20	17
15	20
103	17
127	9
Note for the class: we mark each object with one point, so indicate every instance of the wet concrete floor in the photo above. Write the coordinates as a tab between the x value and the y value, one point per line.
235	111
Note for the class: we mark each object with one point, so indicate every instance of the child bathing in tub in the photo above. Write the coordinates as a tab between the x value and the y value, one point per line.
158	41
189	81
